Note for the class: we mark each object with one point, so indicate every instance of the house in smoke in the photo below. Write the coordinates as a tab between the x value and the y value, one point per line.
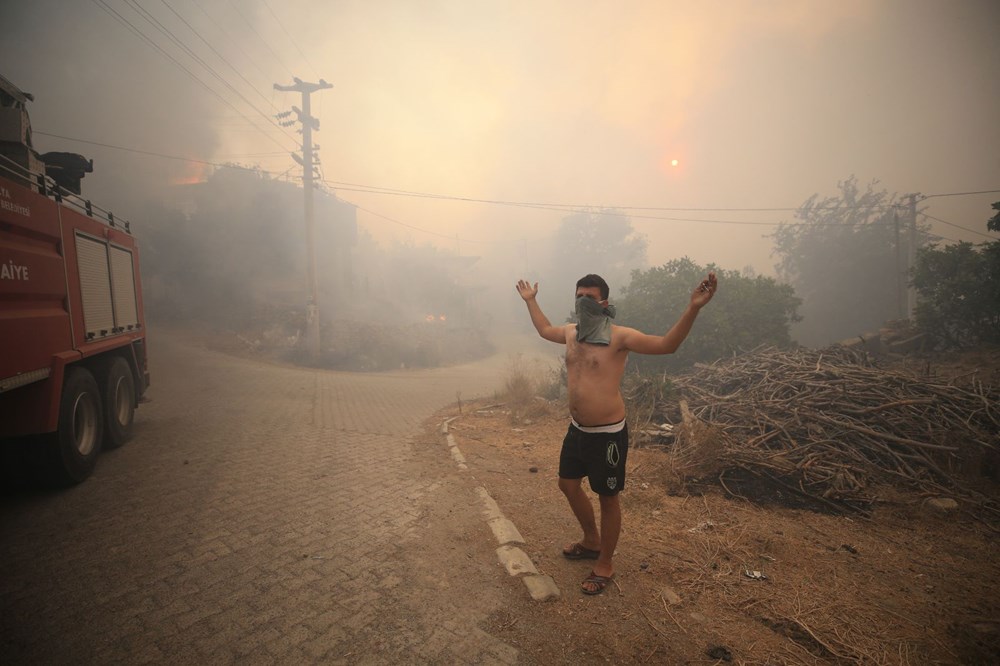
256	225
15	129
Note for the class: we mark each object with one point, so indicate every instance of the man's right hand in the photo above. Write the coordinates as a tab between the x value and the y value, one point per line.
527	291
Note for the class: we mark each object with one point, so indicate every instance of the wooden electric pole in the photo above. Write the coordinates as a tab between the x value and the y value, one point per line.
911	261
901	293
308	125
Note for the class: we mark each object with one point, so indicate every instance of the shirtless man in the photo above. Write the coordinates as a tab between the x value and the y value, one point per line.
596	443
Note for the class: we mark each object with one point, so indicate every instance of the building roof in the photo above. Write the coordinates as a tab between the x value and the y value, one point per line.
12	91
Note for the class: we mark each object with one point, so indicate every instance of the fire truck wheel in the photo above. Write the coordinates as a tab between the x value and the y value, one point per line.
77	443
119	403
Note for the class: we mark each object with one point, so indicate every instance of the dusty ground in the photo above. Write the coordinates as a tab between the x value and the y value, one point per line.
907	586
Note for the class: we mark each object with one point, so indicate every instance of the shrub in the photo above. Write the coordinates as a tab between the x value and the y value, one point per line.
523	386
748	311
959	293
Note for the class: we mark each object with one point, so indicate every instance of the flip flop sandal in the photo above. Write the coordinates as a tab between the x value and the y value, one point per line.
598	583
578	552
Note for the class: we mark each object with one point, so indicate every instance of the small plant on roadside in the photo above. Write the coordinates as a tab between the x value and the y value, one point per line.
553	387
645	394
522	390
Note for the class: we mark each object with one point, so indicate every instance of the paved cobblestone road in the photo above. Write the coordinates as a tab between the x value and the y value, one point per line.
262	513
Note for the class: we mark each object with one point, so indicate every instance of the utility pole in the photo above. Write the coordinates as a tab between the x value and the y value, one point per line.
901	294
911	260
308	125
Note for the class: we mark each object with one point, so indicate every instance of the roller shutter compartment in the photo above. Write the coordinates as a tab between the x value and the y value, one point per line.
123	280
95	285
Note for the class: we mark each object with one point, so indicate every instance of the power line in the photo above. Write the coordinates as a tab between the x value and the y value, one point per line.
613	211
169	34
290	38
560	209
375	189
944	238
235	42
149	42
959	194
284	153
426	231
261	38
216	164
143	152
236	166
957	226
102	4
219	55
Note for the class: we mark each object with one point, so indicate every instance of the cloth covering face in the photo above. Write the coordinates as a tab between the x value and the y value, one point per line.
593	321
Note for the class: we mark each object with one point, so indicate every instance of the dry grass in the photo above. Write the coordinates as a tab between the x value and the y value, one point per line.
906	586
524	386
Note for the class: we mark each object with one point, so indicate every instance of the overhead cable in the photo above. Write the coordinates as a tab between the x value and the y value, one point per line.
169	34
959	194
261	38
376	189
290	38
498	202
958	226
219	55
102	4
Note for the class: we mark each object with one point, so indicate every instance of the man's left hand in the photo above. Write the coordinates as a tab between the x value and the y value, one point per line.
704	292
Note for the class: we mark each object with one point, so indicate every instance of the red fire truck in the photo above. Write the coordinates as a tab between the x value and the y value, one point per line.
72	329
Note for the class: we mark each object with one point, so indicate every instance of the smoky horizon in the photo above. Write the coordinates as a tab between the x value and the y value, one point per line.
459	148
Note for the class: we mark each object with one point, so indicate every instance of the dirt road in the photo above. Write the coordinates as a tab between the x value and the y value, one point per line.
264	512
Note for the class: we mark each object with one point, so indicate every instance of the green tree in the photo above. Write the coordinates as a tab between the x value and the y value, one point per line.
842	257
959	292
746	312
601	242
994	222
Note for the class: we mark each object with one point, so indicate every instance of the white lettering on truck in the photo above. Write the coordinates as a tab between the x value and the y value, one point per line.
12	271
12	206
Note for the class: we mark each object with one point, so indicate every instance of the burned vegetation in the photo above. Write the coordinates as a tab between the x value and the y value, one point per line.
828	429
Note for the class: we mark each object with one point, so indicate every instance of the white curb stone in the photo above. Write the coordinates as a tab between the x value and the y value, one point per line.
490	507
456	454
517	563
541	587
515	560
505	531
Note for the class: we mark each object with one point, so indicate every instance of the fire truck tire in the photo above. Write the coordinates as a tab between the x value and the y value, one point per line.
74	447
119	403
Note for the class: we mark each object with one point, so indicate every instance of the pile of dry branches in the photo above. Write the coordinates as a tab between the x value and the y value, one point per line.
831	425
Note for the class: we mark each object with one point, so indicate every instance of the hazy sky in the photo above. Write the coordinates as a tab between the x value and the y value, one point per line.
761	103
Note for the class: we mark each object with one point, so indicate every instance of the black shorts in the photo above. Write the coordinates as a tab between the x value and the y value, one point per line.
600	456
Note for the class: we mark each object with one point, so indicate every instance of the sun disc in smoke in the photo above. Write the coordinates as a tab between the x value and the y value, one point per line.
670	165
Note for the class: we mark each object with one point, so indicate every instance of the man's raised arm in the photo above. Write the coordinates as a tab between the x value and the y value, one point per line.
641	343
538	318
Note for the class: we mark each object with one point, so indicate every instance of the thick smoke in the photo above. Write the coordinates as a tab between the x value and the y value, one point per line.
95	80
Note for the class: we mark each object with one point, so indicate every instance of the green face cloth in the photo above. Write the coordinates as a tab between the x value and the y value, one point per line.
593	321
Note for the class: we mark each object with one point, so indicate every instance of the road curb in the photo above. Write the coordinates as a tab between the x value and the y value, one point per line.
456	454
515	561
